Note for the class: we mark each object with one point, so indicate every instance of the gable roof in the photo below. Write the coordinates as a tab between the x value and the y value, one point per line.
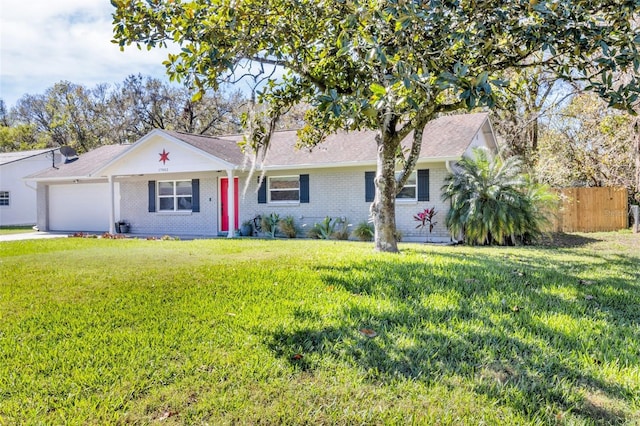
445	138
223	148
12	157
450	136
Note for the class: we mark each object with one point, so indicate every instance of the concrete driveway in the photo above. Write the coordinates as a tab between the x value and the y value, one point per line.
32	236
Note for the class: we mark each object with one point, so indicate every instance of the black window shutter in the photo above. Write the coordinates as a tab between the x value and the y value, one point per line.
195	195
304	188
369	186
262	191
152	196
423	185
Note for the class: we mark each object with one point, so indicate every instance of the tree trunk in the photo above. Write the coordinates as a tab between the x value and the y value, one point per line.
637	158
383	208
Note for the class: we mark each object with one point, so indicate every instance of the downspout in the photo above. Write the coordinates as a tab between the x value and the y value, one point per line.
458	238
231	204
26	183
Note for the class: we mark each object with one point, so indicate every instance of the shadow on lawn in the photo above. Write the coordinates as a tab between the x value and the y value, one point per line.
563	240
474	336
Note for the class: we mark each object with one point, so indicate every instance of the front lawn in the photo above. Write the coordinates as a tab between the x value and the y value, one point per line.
7	230
96	331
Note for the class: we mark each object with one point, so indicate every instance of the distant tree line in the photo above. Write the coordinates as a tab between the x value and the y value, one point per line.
84	118
564	137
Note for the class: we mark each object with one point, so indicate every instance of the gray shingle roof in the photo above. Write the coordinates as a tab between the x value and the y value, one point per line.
224	149
444	138
451	135
85	165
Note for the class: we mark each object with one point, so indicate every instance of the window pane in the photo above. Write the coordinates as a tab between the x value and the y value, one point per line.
183	187
412	178
407	193
409	190
284	183
285	195
4	198
166	203
184	203
165	188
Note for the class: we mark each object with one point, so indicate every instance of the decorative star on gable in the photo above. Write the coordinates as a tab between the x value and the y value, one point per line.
164	156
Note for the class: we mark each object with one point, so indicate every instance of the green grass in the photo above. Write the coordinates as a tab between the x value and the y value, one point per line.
6	230
254	331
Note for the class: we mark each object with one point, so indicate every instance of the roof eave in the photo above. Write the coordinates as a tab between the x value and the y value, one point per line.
369	163
63	178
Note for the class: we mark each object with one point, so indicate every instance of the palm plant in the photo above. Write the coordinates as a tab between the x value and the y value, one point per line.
364	231
492	202
270	224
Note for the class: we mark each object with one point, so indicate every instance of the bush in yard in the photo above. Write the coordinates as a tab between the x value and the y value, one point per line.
342	233
270	224
493	202
364	231
323	230
287	227
425	219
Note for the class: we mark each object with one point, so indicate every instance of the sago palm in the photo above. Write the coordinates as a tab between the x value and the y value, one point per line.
492	202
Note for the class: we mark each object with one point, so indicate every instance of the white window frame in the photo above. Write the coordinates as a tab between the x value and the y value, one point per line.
414	177
175	196
270	189
5	198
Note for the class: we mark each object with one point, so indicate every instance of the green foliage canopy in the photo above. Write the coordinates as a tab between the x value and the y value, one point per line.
358	59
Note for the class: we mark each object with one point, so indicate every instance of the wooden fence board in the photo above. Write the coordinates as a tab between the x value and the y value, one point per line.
592	209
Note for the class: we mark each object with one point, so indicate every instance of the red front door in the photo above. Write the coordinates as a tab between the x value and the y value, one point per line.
224	211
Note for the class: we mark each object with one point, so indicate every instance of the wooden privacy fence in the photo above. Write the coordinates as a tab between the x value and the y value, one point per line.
592	209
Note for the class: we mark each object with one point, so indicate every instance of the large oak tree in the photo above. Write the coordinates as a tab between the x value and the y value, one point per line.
389	65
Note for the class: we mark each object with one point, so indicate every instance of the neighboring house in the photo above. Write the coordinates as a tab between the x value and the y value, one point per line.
178	184
17	199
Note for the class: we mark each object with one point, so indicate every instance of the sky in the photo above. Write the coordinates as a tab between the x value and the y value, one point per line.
43	42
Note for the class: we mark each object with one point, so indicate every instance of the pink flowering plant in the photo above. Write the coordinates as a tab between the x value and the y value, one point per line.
425	218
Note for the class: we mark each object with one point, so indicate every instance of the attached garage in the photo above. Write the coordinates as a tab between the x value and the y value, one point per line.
80	207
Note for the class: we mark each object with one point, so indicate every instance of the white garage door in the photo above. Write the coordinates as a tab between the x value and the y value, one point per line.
79	207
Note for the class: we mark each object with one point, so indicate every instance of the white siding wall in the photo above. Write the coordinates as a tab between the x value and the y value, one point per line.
22	208
479	141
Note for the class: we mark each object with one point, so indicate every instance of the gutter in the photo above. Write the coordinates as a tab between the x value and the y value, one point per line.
369	163
26	183
65	179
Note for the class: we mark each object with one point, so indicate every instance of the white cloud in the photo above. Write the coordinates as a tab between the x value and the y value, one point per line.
43	42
